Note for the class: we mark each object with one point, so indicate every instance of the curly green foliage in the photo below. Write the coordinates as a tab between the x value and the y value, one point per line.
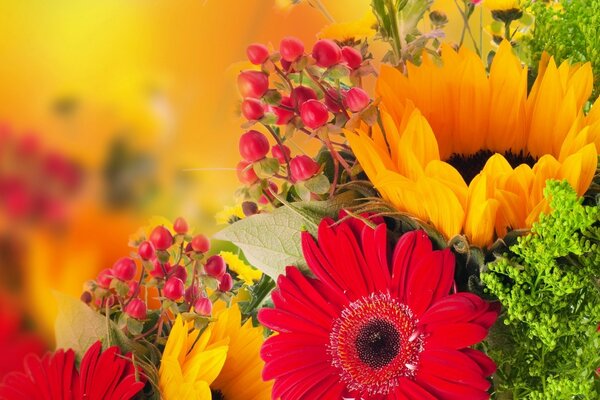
567	33
547	346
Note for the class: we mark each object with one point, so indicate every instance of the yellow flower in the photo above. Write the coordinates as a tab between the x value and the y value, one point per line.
230	214
351	30
240	378
244	271
471	153
191	362
502	5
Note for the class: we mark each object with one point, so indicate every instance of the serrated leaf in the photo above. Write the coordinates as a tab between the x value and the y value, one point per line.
77	327
270	242
318	184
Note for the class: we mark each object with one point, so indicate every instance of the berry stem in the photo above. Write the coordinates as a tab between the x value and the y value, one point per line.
284	76
279	143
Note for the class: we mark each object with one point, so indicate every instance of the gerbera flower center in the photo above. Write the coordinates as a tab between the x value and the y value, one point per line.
374	343
470	165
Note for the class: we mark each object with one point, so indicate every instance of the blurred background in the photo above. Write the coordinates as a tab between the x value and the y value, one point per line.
112	112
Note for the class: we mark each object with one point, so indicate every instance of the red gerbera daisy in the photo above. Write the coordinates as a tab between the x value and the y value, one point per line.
104	375
375	325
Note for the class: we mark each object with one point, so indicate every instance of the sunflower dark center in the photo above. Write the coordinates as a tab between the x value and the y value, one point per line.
471	165
217	395
377	343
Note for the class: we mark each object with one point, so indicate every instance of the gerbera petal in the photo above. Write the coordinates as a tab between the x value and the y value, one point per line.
453	366
456	335
411	247
487	365
447	390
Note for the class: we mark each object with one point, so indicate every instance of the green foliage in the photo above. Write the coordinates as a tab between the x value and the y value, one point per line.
567	33
547	346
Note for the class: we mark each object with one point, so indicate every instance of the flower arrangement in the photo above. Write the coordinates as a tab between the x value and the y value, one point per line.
436	235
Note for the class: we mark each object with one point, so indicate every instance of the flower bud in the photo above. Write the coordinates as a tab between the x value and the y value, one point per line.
179	272
226	283
215	266
291	48
173	289
203	306
326	53
124	269
86	297
253	84
314	114
252	109
104	278
302	94
303	167
356	99
352	57
200	243
253	146
146	250
257	53
283	115
245	173
249	208
161	238
180	226
160	271
136	309
280	152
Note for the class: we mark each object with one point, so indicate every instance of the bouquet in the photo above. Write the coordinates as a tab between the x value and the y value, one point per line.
417	223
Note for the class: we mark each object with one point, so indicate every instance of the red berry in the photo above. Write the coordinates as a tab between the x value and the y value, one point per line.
280	152
146	250
352	57
86	297
245	173
257	53
136	309
191	294
334	100
203	306
124	269
179	272
327	53
104	278
356	99
161	238
253	84
302	94
314	114
291	48
180	226
252	109
200	243
134	289
283	114
160	270
253	146
173	289
215	266
303	168
226	283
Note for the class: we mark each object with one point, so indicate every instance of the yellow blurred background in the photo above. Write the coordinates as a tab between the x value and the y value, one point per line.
141	94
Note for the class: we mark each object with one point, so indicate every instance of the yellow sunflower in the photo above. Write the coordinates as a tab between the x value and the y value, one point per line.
502	5
471	153
245	272
356	30
191	362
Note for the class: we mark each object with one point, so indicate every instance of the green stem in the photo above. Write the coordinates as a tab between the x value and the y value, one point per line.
396	39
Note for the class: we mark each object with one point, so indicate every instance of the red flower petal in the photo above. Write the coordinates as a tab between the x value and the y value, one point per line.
446	390
282	321
453	366
409	249
456	335
423	280
487	365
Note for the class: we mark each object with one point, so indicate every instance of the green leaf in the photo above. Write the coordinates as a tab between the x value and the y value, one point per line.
318	184
336	72
271	241
77	327
266	168
134	326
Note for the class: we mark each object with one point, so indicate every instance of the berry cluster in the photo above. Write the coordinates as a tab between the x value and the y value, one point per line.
176	277
34	182
316	94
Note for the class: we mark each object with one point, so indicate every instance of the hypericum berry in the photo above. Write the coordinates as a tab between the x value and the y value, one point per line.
249	208
326	53
303	167
200	243
253	146
191	294
252	109
179	272
284	115
161	238
253	84
86	297
245	173
203	306
105	277
146	250
136	309
180	226
352	57
268	197
334	100
215	266
257	53
280	152
134	289
124	269
301	94
314	114
173	289
226	283
356	99
291	48
160	270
